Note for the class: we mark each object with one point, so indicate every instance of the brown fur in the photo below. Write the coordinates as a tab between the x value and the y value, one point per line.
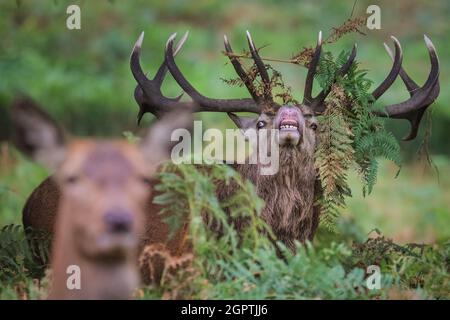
289	200
105	171
289	197
94	205
288	207
289	194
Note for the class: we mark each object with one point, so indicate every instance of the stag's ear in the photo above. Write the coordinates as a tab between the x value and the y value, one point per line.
36	134
173	128
243	123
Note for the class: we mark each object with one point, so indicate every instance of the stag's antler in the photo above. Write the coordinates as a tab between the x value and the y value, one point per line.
255	104
258	103
420	99
411	109
267	94
148	93
317	103
150	99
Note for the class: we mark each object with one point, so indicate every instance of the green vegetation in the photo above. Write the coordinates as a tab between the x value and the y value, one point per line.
350	136
247	266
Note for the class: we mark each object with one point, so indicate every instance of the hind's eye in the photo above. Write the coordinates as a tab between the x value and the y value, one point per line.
313	126
146	180
261	124
71	179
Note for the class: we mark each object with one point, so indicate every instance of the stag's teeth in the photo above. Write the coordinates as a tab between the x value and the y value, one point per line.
288	126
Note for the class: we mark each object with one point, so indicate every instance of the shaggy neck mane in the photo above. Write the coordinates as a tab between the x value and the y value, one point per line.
288	195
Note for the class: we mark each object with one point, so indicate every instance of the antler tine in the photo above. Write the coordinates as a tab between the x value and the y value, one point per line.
396	66
159	77
317	103
204	103
260	66
139	98
240	70
307	95
135	66
421	98
410	84
148	92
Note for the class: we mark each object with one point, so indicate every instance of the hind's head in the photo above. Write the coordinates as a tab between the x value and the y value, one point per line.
105	184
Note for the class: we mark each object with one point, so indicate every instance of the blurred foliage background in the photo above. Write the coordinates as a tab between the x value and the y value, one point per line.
82	78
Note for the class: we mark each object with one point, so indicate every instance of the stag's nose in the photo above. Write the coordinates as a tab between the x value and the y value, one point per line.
288	111
118	221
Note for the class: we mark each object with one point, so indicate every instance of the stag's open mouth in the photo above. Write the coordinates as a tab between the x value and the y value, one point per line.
289	132
288	124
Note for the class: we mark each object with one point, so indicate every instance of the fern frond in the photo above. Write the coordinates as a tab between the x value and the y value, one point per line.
350	136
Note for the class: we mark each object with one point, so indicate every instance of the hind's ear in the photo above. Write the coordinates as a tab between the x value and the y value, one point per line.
36	134
157	144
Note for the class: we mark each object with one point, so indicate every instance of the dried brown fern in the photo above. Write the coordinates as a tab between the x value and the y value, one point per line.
350	26
164	270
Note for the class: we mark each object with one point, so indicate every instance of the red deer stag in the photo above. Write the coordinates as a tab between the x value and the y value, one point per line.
103	188
289	194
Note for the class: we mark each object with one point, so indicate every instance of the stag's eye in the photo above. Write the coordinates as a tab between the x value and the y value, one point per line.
313	126
261	124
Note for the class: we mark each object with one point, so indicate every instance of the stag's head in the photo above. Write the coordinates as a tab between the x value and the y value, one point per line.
296	123
104	184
